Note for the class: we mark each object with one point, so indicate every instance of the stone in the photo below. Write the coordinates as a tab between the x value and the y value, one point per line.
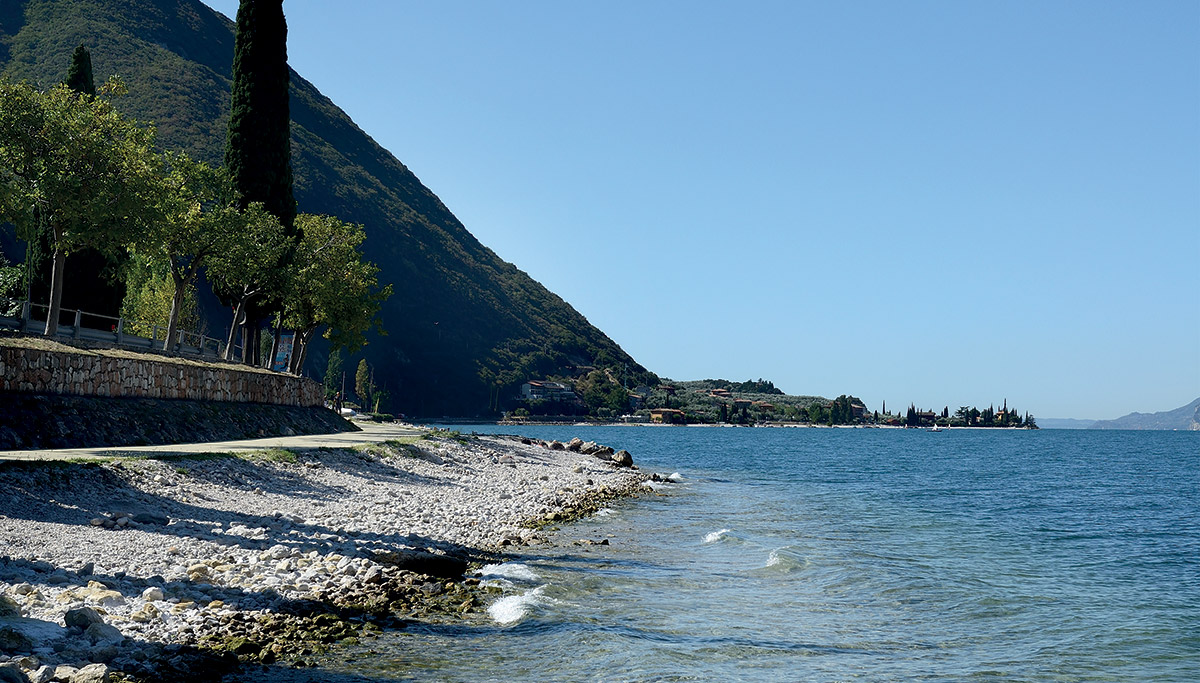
151	518
575	444
441	566
153	593
92	673
80	619
8	608
103	634
374	574
13	641
557	446
622	458
44	674
23	588
11	673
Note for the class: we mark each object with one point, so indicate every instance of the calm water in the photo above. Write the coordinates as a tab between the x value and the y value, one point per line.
833	555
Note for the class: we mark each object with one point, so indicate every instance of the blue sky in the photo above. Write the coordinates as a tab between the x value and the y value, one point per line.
946	203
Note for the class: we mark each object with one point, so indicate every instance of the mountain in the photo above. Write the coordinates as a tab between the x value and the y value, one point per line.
1185	418
1064	423
464	328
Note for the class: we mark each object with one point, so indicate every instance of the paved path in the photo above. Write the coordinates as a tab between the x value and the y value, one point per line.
372	432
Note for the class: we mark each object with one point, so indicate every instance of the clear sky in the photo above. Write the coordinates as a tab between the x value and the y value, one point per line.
946	203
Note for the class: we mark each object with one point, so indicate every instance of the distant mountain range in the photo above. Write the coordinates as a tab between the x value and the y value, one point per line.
465	328
1185	418
1064	423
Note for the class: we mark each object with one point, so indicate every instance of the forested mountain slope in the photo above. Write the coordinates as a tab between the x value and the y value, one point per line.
465	328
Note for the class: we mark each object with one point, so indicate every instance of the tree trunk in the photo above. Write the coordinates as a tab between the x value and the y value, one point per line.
56	287
300	350
173	319
250	354
275	339
238	313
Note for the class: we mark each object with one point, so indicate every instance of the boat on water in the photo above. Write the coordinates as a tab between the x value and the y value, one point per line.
936	428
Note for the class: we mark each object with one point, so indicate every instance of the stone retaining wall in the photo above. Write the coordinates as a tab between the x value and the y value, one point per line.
82	374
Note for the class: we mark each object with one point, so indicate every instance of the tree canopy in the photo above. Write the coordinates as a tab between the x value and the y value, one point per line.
75	170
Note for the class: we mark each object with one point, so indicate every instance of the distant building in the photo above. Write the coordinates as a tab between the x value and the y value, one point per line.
534	390
667	416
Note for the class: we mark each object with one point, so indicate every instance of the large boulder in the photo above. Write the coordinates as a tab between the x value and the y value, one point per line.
13	641
575	444
622	458
416	561
92	673
11	673
80	619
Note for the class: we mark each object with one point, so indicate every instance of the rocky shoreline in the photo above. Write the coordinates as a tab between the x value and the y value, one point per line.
189	568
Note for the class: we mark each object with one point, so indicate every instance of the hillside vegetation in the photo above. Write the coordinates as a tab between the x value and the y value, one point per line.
464	328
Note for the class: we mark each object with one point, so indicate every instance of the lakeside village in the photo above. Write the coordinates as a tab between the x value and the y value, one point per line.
722	402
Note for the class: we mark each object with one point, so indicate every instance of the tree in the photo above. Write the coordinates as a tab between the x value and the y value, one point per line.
250	267
258	153
74	169
364	385
200	220
331	285
79	74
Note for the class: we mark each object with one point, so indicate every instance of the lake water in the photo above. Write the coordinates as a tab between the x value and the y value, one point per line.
839	554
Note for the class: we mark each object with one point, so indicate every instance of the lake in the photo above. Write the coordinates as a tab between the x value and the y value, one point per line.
848	554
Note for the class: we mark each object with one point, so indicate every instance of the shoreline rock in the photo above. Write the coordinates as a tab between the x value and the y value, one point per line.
150	569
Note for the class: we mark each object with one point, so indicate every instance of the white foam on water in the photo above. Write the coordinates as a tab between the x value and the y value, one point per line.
603	512
675	477
655	485
715	536
514	571
513	608
785	559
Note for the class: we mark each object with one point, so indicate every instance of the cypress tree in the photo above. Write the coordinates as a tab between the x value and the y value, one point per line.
258	143
79	75
258	152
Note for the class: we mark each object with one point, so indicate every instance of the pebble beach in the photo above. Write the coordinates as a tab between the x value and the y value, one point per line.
193	567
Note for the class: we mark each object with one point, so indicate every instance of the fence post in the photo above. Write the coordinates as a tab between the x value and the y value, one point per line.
120	331
25	312
78	323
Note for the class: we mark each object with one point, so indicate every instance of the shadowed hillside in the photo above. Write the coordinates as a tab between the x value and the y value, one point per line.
462	321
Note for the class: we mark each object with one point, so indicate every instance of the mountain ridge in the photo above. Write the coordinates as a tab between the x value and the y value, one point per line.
465	327
1183	418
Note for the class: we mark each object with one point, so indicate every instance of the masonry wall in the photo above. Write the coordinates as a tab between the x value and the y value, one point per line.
82	374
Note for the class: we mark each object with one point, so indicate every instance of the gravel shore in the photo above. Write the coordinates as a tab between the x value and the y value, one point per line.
145	569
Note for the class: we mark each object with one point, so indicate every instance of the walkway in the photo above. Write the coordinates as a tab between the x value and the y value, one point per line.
372	432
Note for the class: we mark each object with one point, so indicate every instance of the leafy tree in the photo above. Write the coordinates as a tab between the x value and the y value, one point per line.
250	267
331	286
364	385
149	295
333	371
258	152
10	284
74	169
200	221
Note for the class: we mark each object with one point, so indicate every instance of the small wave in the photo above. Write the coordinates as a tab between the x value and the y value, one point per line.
785	560
513	608
655	485
514	571
715	536
603	512
675	477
